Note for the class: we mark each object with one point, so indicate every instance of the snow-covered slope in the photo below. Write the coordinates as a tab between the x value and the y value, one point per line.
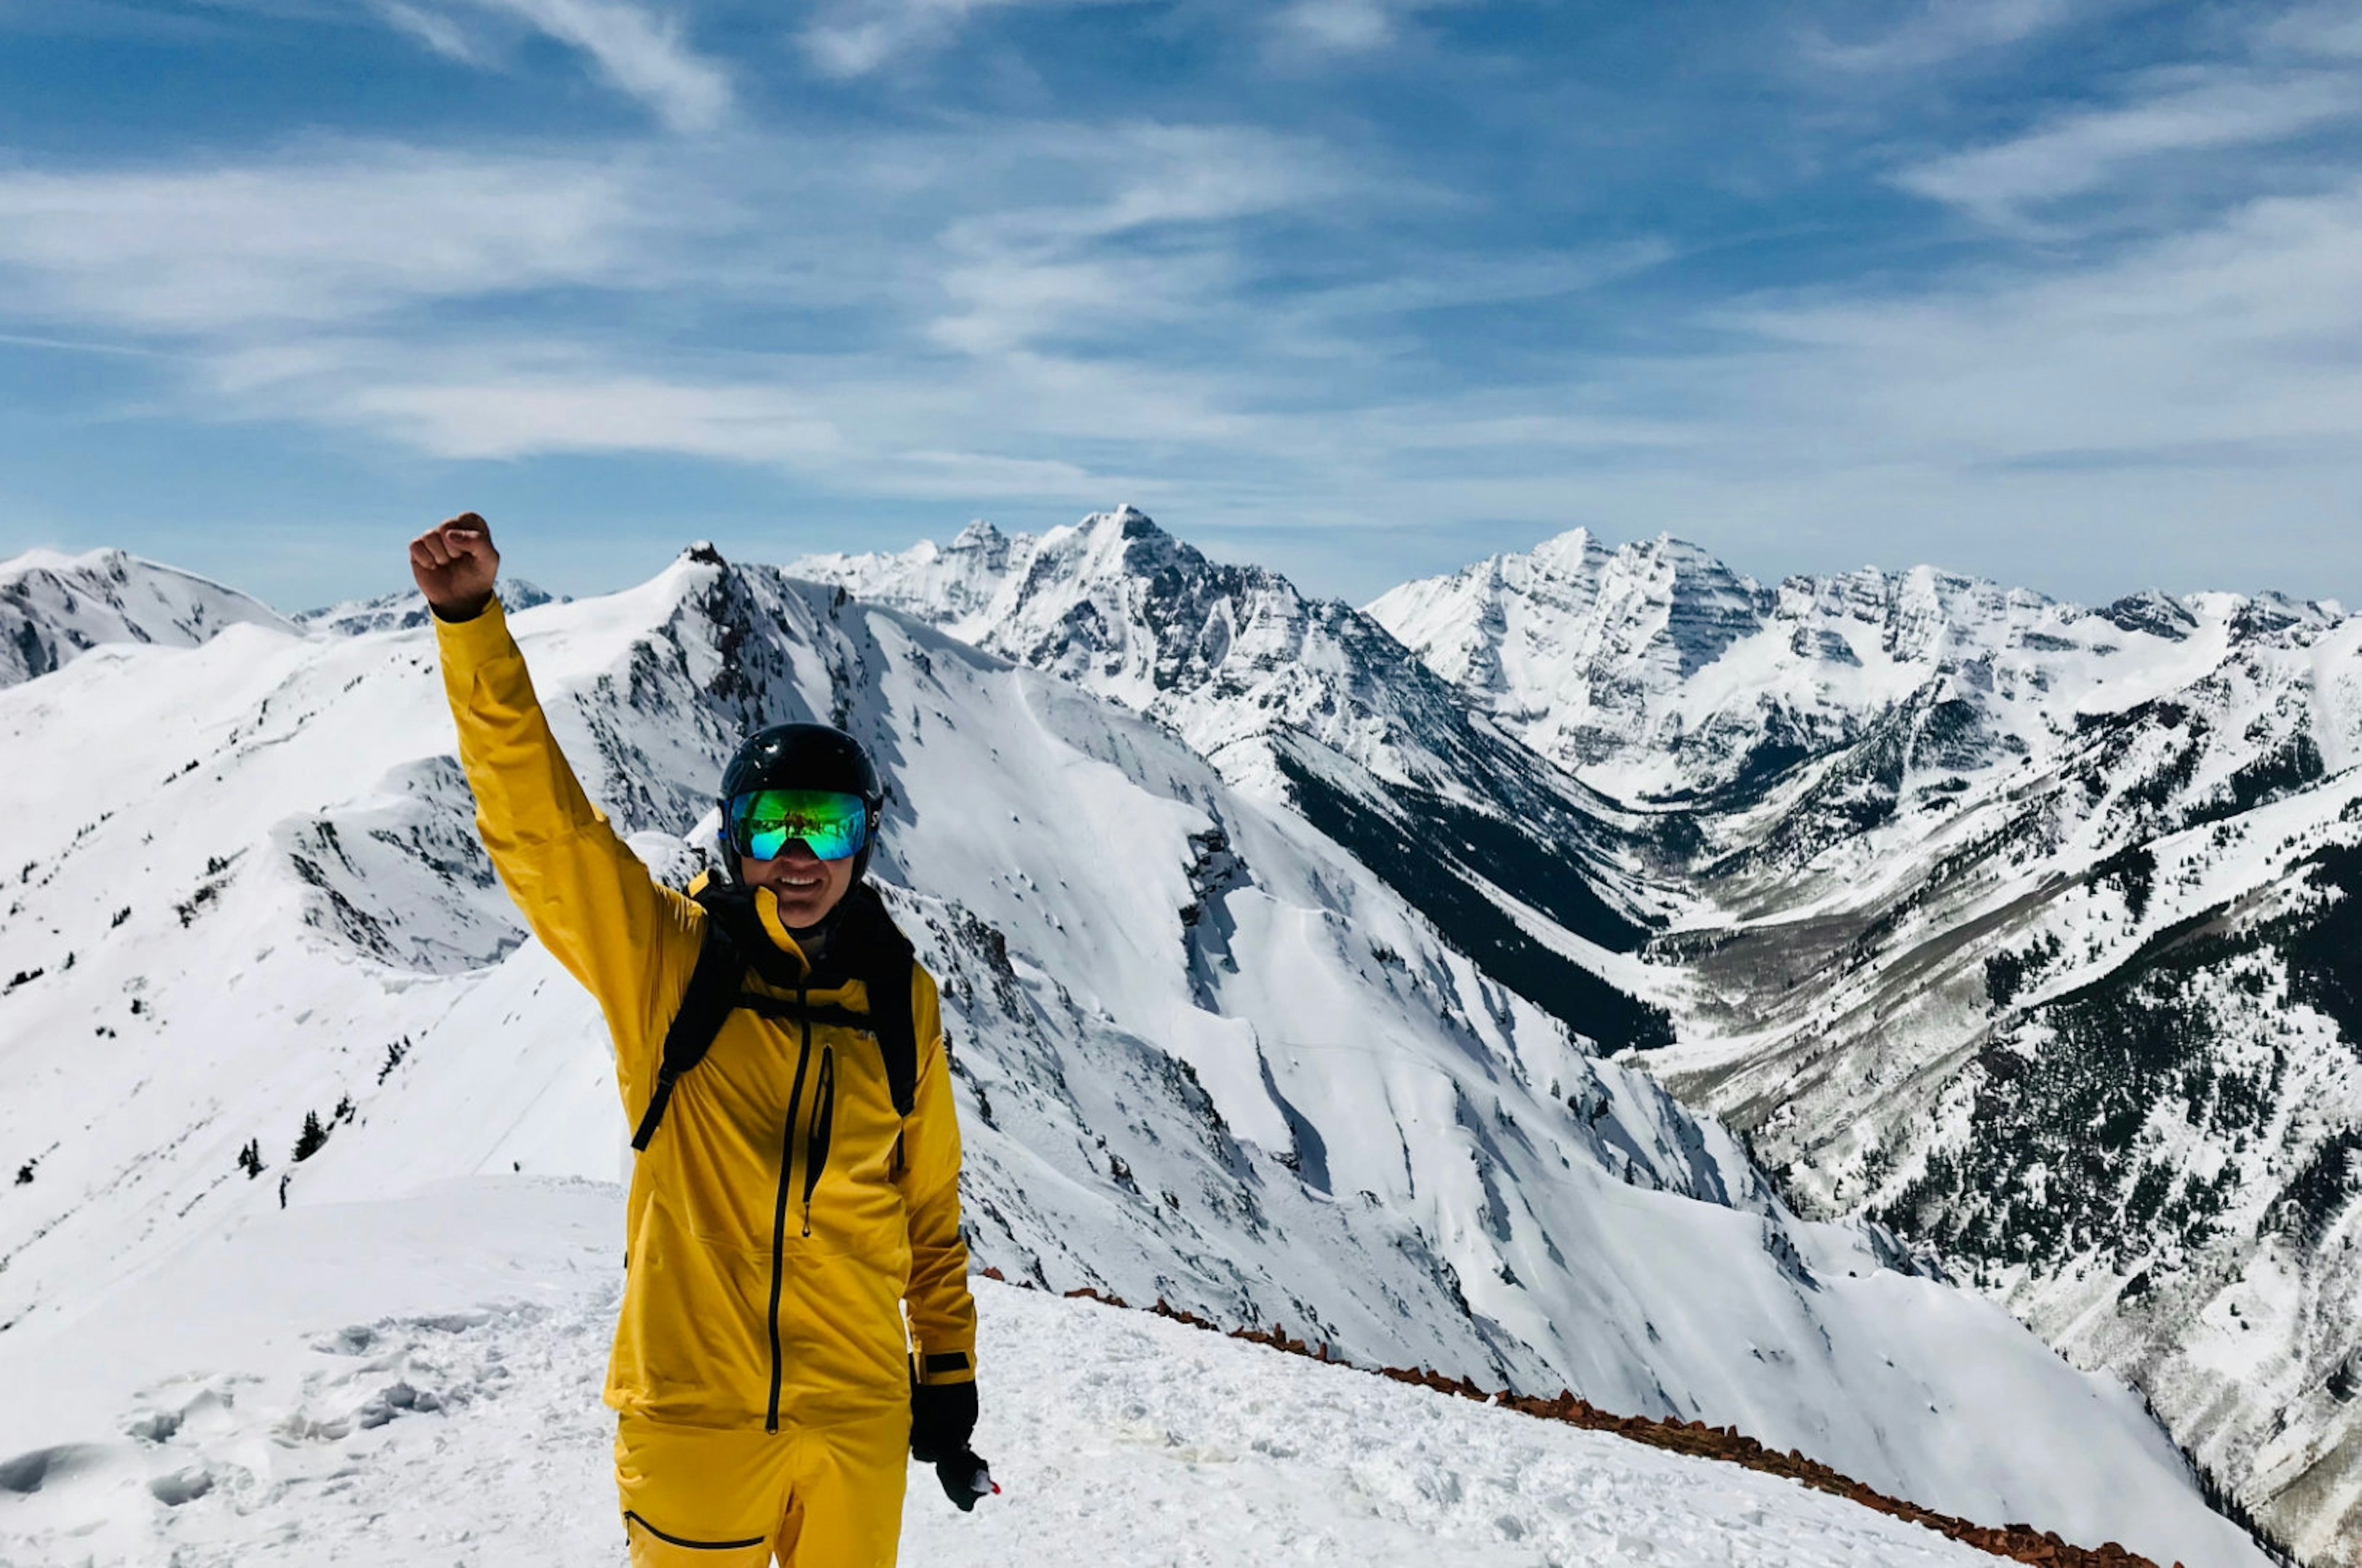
1311	702
2027	928
410	1381
2094	1032
52	607
1203	1051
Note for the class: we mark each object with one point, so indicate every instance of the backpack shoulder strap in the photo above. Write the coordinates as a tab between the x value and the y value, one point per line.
712	992
715	990
887	959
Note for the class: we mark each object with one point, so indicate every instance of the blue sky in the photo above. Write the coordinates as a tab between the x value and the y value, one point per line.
2067	292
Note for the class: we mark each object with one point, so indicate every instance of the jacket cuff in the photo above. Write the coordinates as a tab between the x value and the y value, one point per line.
464	644
947	1367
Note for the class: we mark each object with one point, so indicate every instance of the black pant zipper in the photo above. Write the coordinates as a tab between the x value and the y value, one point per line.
683	1540
780	1215
824	1119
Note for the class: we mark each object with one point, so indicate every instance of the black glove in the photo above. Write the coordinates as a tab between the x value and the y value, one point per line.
965	1480
943	1418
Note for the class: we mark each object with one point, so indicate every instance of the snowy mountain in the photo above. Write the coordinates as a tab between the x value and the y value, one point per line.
1655	672
2027	929
54	607
407	610
1204	1051
1311	702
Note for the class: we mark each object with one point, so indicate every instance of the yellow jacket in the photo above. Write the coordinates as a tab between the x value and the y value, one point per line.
763	1286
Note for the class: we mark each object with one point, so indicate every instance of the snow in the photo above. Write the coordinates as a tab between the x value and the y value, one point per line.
1973	756
415	1381
1307	1106
1654	668
53	607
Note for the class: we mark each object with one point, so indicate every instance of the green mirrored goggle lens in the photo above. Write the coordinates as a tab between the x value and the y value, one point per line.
832	825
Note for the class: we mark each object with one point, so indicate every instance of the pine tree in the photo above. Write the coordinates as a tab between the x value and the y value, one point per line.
249	1159
314	1135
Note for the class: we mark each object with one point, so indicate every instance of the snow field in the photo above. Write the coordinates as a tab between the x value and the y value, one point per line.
278	1420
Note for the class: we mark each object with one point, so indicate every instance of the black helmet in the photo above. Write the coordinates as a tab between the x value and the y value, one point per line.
807	756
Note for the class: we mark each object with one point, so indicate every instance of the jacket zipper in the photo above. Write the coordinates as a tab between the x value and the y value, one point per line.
779	1213
823	1121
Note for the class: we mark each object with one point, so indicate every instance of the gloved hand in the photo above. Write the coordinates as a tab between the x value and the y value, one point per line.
965	1480
943	1418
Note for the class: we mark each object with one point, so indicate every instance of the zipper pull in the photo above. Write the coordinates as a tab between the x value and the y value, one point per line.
807	1218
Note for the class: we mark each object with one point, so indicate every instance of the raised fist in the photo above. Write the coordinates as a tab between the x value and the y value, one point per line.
455	566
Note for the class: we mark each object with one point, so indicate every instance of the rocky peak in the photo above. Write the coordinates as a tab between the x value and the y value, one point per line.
1576	558
53	607
2151	612
980	538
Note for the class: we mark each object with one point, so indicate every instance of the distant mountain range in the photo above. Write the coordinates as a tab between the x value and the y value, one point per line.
2028	928
2013	937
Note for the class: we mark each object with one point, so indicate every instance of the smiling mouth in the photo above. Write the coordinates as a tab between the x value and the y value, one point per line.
803	885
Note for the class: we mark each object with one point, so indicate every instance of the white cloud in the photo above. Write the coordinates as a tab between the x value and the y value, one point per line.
2328	30
323	238
854	37
1023	274
593	408
1345	26
2245	332
1321	27
435	30
1943	30
642	52
2081	152
1064	313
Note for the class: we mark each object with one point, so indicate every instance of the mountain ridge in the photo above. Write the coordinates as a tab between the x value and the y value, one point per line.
1309	702
1156	1104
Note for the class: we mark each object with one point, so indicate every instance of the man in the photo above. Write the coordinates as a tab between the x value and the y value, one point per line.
794	1193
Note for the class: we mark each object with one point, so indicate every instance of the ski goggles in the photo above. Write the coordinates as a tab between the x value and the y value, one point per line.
833	824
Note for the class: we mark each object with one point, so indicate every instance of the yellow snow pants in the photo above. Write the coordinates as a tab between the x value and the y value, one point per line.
720	1497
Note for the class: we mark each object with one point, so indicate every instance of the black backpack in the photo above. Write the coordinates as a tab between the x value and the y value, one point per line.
878	955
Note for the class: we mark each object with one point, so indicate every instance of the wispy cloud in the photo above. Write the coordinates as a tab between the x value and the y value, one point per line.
1060	270
1075	313
2326	29
329	237
1321	27
435	30
1347	321
855	38
642	52
1940	30
2079	152
1343	25
2243	330
381	288
639	51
